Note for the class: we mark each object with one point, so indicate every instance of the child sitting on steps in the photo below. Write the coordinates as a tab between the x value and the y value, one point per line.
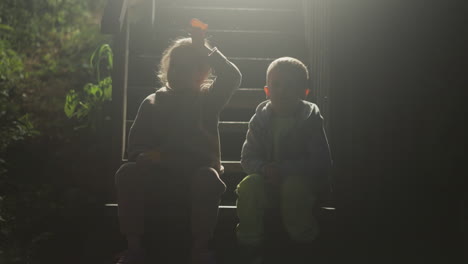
175	137
286	157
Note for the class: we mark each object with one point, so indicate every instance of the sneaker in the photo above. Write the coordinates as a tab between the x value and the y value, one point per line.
131	257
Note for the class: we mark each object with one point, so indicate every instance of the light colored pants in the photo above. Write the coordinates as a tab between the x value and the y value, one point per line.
296	201
205	189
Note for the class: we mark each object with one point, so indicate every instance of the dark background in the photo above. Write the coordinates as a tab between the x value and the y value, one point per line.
397	129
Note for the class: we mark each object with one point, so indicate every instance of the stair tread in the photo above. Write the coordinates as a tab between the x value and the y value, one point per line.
236	3
326	208
158	56
217	17
251	58
212	8
224	162
142	70
247	31
233	42
172	32
147	88
219	206
234	122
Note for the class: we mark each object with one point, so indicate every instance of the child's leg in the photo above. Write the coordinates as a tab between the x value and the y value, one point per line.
297	201
251	203
130	185
206	191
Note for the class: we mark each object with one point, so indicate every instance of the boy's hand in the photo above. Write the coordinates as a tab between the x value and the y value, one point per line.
272	174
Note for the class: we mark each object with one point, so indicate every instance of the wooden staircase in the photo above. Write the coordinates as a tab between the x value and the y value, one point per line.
250	33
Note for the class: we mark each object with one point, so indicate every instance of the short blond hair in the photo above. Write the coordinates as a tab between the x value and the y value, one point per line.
288	64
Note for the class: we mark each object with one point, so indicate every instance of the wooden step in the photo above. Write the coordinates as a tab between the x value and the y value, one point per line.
242	114
218	17
232	137
232	166
246	98
233	127
231	145
227	207
253	70
143	67
142	70
271	43
290	4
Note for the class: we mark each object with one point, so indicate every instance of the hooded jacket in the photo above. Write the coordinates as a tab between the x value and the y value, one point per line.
304	151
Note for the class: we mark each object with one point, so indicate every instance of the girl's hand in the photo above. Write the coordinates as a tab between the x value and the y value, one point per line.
197	32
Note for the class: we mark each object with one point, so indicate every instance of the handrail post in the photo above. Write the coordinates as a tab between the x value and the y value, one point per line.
114	15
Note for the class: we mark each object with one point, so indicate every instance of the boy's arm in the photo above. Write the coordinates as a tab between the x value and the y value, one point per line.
319	162
140	138
253	156
228	79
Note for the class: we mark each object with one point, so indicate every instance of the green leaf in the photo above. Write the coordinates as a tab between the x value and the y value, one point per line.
106	87
101	52
93	90
71	102
6	27
87	105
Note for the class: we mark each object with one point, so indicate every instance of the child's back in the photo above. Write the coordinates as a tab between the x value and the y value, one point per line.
180	123
185	121
286	157
176	133
295	143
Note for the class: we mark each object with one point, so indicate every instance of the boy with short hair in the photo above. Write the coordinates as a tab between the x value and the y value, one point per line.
286	157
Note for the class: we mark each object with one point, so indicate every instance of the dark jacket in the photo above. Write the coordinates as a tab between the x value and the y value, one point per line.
186	123
305	149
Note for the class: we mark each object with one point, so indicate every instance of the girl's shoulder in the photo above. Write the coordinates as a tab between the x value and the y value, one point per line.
150	98
148	101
